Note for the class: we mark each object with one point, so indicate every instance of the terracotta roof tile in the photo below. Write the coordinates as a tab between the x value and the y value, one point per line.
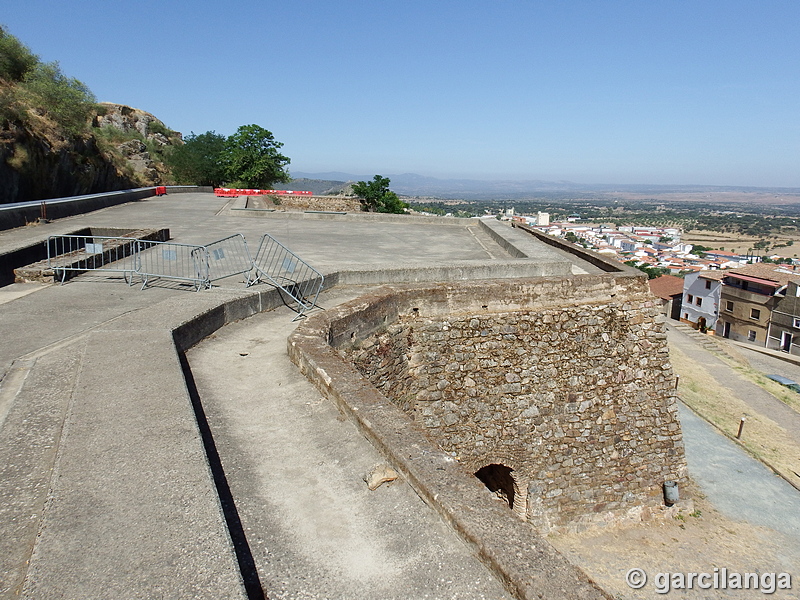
666	286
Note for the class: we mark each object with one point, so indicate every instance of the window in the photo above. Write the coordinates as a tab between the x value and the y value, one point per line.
698	301
796	323
708	285
751	336
689	298
755	313
729	306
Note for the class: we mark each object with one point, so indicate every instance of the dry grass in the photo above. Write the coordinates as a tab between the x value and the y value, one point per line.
762	437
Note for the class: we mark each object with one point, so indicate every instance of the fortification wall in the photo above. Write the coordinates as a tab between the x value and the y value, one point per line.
563	384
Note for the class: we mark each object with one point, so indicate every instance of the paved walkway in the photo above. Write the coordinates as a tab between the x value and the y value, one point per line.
757	398
738	485
296	467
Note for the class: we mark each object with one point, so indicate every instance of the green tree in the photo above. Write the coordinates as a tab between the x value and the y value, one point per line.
199	160
16	60
251	159
375	196
64	99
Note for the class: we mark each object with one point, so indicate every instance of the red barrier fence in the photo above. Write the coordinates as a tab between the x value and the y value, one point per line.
233	193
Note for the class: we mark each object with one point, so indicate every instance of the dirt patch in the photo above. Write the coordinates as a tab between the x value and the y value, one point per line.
740	244
698	542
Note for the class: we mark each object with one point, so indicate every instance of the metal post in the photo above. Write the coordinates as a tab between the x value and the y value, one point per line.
741	426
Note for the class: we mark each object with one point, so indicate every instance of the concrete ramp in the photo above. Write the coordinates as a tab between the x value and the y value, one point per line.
118	498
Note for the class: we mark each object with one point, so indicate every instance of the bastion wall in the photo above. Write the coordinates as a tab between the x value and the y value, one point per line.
557	392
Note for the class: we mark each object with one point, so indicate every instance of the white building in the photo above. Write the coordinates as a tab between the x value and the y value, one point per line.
701	298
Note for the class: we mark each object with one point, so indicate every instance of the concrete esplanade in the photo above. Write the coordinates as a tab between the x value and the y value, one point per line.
142	456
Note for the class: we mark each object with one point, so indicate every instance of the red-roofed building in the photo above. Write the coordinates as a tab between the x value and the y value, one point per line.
749	295
670	290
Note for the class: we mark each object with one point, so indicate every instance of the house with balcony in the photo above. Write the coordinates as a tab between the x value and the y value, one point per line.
701	298
748	298
784	327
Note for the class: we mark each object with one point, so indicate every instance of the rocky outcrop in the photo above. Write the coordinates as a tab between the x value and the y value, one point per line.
34	166
126	118
139	127
37	162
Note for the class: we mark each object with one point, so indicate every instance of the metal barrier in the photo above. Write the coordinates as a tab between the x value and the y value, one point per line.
168	260
80	253
229	256
199	265
284	269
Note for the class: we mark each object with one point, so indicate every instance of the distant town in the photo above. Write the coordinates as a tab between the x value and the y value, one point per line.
750	298
644	246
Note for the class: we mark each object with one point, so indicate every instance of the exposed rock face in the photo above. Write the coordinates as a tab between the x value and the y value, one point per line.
149	169
38	163
36	167
125	118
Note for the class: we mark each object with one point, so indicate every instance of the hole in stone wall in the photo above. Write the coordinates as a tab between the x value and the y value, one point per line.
499	480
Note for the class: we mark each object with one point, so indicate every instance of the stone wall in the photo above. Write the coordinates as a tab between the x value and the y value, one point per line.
572	390
290	202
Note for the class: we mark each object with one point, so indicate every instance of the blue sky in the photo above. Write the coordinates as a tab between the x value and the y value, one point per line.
591	91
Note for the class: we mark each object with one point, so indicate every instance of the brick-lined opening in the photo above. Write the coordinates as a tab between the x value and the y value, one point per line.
506	484
500	481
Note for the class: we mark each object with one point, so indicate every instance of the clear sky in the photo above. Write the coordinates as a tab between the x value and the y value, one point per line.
591	91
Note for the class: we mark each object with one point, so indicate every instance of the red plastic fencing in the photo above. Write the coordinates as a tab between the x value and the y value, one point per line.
236	192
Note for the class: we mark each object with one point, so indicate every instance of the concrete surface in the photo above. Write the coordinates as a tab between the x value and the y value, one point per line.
111	484
296	467
737	484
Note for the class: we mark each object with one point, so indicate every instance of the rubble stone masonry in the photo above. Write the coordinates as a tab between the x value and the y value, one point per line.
565	382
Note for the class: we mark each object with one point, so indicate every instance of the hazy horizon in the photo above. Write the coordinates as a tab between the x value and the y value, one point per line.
624	92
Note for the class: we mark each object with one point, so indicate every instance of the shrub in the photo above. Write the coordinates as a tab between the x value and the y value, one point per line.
66	100
16	60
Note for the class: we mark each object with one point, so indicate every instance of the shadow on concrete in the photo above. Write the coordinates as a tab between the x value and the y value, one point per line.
244	556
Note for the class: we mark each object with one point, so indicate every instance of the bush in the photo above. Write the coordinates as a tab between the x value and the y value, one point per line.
376	196
64	99
16	60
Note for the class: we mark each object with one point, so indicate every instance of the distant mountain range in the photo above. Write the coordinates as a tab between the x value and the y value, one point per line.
411	184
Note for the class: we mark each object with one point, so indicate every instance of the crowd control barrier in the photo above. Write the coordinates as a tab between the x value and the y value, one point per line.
229	256
168	260
236	192
284	269
198	265
81	253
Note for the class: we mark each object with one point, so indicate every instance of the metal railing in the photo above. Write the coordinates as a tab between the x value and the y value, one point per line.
168	260
229	256
80	253
199	265
284	269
